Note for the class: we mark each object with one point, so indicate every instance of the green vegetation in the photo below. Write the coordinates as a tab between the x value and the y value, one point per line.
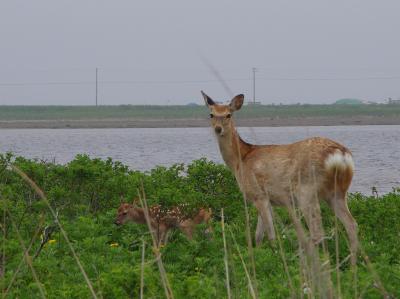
181	112
348	102
86	193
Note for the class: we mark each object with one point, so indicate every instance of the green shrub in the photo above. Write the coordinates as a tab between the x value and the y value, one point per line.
86	193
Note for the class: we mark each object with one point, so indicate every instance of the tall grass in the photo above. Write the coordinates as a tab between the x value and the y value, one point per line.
314	277
249	280
156	246
142	270
25	253
227	281
41	194
27	258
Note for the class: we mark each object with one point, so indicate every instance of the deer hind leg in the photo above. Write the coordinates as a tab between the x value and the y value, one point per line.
265	221
186	227
309	206
260	230
341	210
209	230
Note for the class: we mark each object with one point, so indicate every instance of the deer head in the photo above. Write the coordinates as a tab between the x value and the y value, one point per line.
221	115
123	213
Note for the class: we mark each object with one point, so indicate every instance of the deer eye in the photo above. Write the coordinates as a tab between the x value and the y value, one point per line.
211	115
228	115
124	213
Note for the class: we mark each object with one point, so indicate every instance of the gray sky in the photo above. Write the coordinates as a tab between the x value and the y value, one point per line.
149	52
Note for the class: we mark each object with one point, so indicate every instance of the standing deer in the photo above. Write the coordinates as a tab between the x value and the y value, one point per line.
162	221
301	173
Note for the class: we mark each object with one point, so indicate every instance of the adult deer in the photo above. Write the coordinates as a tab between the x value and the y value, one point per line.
302	173
163	220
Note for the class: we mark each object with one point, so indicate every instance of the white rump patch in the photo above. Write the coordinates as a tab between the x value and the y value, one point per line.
339	160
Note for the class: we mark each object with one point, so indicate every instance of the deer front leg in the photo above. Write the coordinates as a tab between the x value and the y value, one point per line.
265	221
209	230
162	235
166	236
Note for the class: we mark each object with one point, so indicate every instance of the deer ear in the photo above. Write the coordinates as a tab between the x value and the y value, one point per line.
236	102
207	99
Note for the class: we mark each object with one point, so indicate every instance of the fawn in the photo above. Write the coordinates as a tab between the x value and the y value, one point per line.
163	220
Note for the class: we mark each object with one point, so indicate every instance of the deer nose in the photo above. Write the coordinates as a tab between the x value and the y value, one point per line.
218	130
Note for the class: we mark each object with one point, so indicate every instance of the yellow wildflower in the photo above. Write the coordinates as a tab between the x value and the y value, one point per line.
52	241
114	245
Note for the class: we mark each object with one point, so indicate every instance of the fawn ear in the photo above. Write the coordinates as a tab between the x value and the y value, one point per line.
135	201
236	102
208	100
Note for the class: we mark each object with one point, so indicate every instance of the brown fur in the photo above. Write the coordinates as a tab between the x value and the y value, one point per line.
163	220
280	174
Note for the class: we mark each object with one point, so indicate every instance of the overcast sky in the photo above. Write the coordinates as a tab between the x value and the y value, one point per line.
150	52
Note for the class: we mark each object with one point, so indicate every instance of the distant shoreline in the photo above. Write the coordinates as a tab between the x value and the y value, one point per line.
196	122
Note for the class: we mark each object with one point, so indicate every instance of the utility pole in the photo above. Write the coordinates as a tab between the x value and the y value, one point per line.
254	85
96	85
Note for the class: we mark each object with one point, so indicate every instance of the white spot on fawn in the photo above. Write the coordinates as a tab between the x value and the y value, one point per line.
339	160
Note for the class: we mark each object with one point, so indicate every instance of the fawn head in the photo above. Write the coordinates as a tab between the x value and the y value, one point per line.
221	115
123	213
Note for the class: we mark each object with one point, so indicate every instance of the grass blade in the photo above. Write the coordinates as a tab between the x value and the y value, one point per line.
41	194
28	258
142	270
33	239
251	288
228	287
156	249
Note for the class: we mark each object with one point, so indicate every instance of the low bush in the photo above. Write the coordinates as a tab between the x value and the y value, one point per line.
86	193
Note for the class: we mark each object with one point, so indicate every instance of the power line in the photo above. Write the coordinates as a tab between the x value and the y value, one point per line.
329	79
111	82
114	82
46	83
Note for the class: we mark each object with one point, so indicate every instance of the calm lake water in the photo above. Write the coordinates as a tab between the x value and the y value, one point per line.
375	148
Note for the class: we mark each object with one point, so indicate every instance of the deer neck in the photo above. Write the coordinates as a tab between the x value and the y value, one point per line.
137	215
233	149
